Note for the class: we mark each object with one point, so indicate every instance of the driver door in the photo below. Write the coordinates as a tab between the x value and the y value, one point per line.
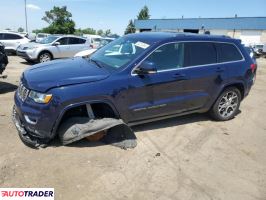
158	94
61	50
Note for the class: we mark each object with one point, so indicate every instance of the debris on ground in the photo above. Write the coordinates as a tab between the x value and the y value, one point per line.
158	154
109	130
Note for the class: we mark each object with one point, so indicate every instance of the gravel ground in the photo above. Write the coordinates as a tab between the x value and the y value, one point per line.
182	158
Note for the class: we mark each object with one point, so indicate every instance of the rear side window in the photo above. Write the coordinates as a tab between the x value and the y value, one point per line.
200	53
76	41
228	52
169	56
96	40
8	36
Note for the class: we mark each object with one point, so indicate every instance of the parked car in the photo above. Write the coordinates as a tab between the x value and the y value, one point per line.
41	36
164	75
258	48
3	59
250	51
12	40
94	40
52	47
264	50
87	53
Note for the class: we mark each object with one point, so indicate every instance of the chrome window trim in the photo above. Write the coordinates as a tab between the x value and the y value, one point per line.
166	70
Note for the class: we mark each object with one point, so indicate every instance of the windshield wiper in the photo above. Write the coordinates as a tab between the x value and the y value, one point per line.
96	62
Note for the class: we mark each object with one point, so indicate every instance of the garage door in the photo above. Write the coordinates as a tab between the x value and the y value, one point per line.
250	37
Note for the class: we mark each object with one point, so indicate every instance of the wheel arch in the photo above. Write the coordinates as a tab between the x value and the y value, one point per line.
239	85
45	51
64	112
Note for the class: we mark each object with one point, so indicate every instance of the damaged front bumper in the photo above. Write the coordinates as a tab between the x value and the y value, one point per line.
27	137
117	132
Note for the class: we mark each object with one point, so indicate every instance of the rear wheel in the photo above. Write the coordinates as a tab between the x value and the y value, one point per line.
227	104
45	57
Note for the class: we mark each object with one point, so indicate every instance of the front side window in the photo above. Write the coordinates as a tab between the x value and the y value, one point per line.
95	40
167	57
200	53
63	41
120	52
228	52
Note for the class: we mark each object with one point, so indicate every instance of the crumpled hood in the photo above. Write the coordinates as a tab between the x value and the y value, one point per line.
44	76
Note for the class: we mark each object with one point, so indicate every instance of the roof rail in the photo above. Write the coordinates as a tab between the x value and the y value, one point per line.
226	36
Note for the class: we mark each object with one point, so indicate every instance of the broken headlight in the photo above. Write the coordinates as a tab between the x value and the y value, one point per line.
40	97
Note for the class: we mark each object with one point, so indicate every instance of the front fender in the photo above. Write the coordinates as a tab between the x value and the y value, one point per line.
70	106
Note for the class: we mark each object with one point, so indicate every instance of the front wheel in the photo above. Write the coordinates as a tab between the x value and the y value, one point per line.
45	57
227	104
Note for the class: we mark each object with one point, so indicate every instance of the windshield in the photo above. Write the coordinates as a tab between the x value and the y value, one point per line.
48	39
41	35
120	52
96	40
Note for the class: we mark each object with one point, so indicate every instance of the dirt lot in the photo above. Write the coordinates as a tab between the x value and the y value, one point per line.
182	158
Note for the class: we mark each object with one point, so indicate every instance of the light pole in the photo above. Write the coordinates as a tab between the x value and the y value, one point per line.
26	17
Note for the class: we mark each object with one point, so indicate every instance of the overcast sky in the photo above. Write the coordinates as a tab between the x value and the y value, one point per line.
115	14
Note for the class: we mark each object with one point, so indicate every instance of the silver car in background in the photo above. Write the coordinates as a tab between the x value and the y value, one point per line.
41	36
52	47
88	52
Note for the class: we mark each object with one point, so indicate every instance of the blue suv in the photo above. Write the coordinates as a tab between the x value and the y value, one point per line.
138	78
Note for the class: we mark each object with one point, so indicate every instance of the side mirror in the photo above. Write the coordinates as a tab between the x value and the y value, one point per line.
56	44
146	68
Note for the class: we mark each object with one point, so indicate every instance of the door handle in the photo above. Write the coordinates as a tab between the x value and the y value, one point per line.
180	77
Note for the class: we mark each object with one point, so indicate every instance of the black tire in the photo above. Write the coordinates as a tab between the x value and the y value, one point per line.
227	105
29	61
45	57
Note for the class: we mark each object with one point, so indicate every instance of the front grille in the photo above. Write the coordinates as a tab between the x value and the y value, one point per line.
22	92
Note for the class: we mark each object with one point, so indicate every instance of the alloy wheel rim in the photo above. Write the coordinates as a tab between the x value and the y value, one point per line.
228	104
45	57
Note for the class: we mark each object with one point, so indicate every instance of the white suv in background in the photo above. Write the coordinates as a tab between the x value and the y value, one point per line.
53	47
41	36
94	40
11	40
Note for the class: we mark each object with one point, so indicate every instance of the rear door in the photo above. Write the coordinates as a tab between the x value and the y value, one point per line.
204	75
76	45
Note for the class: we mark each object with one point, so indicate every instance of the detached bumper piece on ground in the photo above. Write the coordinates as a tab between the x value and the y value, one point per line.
116	132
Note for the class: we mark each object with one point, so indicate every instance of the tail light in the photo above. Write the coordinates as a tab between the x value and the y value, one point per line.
253	67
